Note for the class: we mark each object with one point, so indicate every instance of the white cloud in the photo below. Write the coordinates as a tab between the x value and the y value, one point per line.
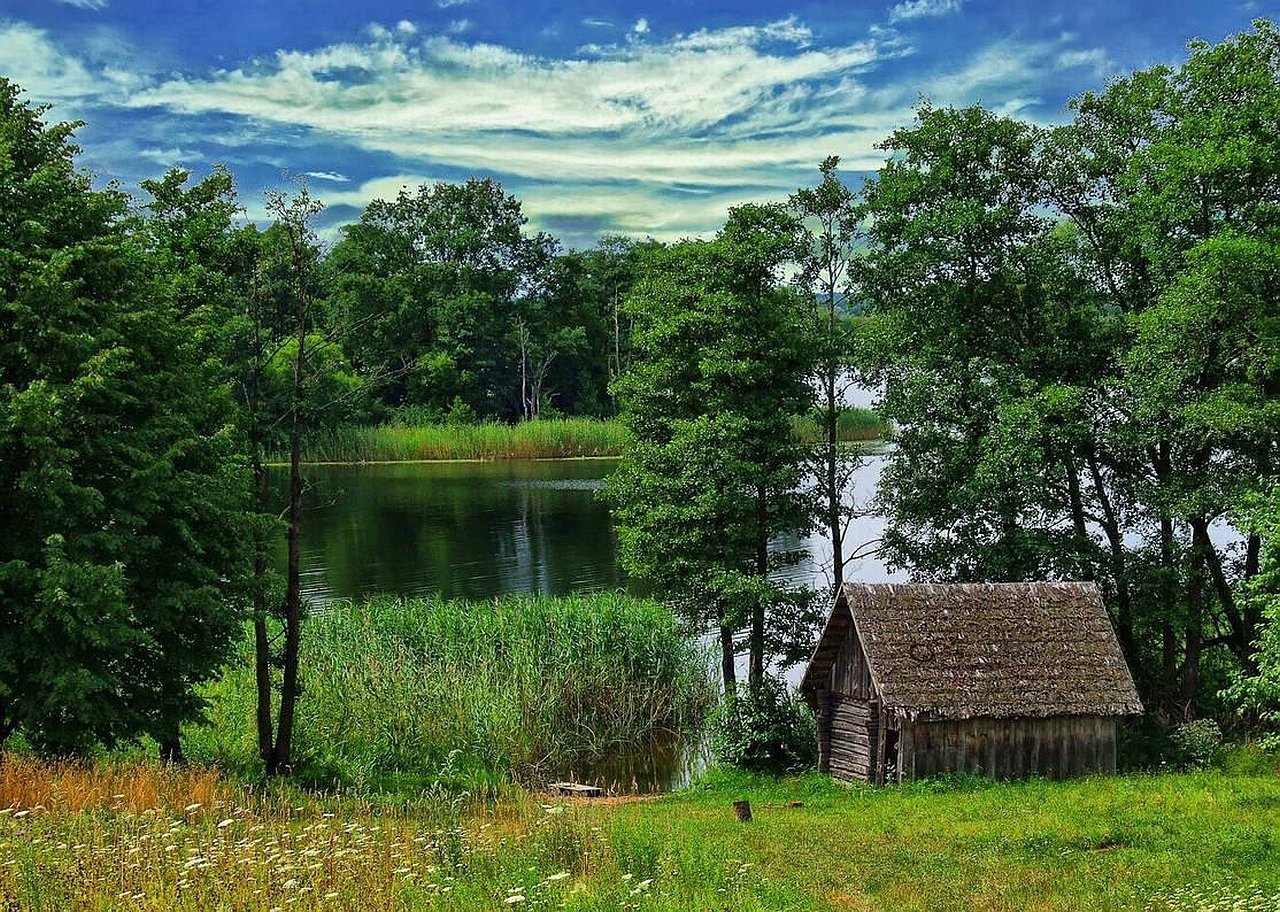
40	65
450	4
93	5
612	133
921	9
641	27
459	26
171	157
332	176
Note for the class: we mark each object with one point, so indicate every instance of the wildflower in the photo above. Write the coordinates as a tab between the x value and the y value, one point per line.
561	876
513	899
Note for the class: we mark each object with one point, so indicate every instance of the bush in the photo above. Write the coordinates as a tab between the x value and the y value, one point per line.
1197	743
774	731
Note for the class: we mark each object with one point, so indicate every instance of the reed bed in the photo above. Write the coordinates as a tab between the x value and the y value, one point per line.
558	438
854	425
411	695
544	438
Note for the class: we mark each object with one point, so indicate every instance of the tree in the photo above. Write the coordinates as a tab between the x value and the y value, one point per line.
825	274
1076	333
121	484
721	358
450	265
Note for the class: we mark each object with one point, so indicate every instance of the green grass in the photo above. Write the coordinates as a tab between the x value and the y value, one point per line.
545	438
404	695
1172	843
558	438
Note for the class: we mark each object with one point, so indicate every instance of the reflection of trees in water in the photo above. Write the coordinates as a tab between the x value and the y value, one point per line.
466	530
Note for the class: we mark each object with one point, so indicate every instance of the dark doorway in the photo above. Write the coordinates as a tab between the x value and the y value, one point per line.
890	756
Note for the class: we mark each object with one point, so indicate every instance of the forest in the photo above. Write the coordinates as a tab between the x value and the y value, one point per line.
1072	335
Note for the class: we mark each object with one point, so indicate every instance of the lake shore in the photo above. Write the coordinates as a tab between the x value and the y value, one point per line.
145	837
539	439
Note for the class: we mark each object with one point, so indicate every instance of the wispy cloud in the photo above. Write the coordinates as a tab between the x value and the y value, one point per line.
922	9
332	176
655	136
93	5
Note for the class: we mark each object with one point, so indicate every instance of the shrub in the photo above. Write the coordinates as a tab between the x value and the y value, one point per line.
1196	744
774	731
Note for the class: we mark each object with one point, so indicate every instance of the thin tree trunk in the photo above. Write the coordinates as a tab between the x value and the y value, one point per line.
293	582
755	669
833	491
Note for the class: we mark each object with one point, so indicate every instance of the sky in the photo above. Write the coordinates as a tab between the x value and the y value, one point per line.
602	116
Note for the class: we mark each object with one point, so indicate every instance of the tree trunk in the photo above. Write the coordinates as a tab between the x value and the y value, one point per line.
261	641
833	492
171	750
293	580
755	669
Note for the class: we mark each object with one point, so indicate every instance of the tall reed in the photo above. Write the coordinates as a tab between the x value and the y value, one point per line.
854	425
558	438
407	694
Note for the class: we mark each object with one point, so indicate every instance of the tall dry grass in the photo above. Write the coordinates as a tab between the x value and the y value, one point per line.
27	783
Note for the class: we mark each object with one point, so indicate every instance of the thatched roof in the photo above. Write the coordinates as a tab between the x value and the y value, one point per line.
992	650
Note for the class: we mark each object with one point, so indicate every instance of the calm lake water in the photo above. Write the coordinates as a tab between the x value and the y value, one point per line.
480	529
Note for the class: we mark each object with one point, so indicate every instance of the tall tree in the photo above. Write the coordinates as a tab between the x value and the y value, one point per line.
121	485
1076	334
721	358
829	212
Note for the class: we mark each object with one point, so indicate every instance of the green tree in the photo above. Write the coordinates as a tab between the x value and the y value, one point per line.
122	490
1076	331
721	356
829	212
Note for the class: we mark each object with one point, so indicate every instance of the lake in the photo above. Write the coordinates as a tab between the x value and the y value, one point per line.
480	529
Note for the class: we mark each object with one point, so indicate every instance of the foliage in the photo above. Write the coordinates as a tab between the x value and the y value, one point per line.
1076	334
122	493
721	358
774	732
406	694
1197	743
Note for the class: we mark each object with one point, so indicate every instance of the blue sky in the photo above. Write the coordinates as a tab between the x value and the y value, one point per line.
601	115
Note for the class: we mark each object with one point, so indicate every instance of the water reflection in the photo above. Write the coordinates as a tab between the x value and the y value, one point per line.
477	530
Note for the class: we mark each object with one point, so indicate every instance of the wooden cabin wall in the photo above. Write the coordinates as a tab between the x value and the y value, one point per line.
1055	748
851	721
854	738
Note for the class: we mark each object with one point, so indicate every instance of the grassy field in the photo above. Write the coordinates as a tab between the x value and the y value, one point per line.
558	438
401	695
139	838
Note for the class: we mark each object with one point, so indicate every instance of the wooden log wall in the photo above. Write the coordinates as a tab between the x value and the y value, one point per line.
854	735
1055	748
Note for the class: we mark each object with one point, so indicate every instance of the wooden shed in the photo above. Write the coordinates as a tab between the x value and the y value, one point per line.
1003	679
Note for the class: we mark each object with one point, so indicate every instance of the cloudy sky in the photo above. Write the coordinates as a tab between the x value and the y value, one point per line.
601	115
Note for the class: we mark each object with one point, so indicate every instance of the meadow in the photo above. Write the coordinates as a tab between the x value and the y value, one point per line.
140	837
543	438
405	695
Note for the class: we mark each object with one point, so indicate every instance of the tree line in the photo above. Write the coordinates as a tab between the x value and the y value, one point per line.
1073	329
